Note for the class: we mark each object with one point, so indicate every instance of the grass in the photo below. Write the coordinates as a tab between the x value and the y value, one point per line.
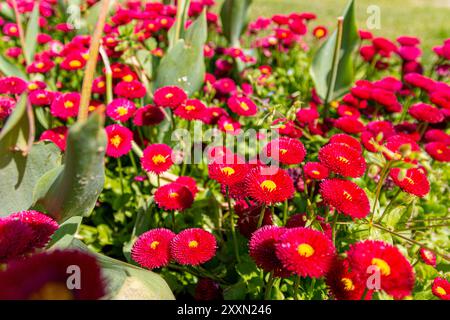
426	19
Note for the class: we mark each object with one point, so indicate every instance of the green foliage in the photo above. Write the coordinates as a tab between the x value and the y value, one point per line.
183	65
74	190
31	34
234	15
322	65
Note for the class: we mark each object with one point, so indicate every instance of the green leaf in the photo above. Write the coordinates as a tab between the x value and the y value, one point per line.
321	68
9	69
237	291
234	14
31	35
75	190
64	236
14	135
180	22
183	65
6	11
19	175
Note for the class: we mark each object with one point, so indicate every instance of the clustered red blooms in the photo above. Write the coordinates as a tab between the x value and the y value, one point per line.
158	247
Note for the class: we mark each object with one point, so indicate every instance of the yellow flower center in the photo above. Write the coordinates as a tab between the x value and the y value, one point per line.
121	111
168	96
348	284
410	181
154	244
315	172
382	265
228	171
348	113
320	33
68	104
268	185
116	140
101	84
40	96
189	108
244	106
347	196
158	159
305	250
75	64
441	291
173	195
334	104
343	159
13	29
52	291
127	78
163	21
228	127
33	86
439	151
193	244
283	151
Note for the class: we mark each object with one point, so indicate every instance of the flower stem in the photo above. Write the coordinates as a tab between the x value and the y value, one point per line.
285	211
388	207
261	217
233	230
296	285
269	286
383	174
119	162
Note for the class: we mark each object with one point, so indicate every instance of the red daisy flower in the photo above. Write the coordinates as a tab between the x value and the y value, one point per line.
40	97
192	109
428	256
207	290
343	160
99	85
439	151
396	273
305	116
287	127
157	158
347	111
425	112
152	249
119	140
12	245
73	61
262	250
227	173
171	97
436	135
130	89
305	252
411	180
242	106
349	125
174	196
315	170
346	197
228	125
397	145
285	151
344	283
193	247
65	105
189	183
12	85
148	116
42	65
346	139
441	288
42	226
6	106
120	109
56	135
44	276
269	185
320	32
11	29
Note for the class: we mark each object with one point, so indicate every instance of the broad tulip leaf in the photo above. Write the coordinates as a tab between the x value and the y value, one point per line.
321	68
14	135
234	18
19	175
9	69
180	22
184	65
31	34
75	190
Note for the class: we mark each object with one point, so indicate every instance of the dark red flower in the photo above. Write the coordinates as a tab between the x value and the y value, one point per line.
148	116
425	112
171	97
11	244
57	135
438	151
249	215
262	250
193	247
44	276
349	124
346	139
189	183
315	170
428	257
207	290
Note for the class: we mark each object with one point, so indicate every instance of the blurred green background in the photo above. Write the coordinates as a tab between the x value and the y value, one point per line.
427	19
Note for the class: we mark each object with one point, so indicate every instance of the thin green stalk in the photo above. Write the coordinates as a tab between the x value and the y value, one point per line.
133	162
261	217
233	230
285	211
119	162
296	285
269	286
383	174
334	226
335	64
388	207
